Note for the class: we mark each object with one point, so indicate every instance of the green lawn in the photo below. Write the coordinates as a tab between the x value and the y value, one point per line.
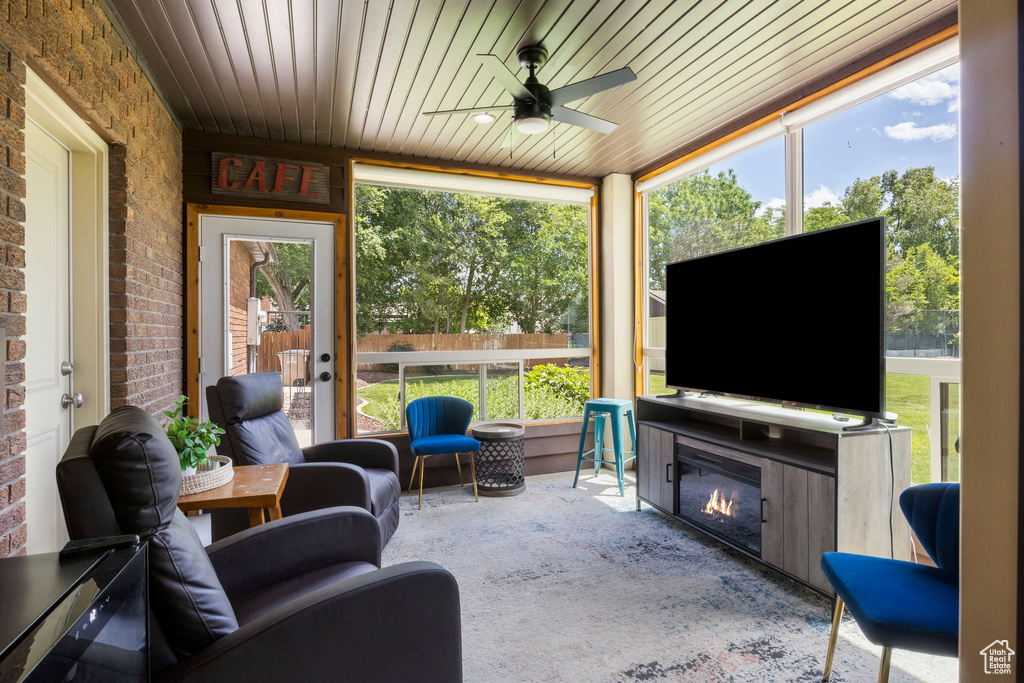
908	397
502	398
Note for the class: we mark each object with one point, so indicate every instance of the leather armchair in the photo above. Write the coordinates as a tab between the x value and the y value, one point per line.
360	472
300	598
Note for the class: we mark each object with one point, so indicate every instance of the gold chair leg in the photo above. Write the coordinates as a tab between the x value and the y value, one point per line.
883	667
472	469
459	466
837	618
423	464
412	479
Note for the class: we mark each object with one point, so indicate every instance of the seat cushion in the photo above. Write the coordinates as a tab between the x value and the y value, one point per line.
444	443
258	603
384	490
898	604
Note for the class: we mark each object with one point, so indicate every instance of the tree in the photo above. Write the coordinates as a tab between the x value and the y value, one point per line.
703	214
286	280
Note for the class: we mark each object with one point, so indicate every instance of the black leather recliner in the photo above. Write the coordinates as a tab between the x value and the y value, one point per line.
360	472
297	599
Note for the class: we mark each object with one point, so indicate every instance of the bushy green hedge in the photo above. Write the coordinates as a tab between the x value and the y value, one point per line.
569	381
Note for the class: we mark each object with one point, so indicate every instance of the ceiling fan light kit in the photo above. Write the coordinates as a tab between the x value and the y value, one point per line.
534	106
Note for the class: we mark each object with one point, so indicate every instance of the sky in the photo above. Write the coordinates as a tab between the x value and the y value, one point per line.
915	125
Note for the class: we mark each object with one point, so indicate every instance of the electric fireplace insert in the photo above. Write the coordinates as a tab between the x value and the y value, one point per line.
721	496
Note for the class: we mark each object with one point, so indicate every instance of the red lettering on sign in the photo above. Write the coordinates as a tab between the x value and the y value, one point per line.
281	176
259	174
222	177
307	180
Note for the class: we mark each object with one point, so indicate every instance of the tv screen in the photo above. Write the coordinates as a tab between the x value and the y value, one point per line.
799	319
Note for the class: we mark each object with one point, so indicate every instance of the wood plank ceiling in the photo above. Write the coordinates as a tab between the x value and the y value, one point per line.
357	73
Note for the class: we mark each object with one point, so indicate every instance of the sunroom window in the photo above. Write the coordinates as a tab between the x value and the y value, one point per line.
462	291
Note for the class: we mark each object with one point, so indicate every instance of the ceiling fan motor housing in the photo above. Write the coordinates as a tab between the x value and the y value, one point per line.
532	117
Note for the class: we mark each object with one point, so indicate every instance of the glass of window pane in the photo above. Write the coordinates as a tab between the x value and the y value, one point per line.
897	156
557	389
503	394
735	203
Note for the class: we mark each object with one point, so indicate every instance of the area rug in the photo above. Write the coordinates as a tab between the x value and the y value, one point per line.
563	584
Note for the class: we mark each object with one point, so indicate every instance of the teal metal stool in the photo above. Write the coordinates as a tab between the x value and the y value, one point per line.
615	409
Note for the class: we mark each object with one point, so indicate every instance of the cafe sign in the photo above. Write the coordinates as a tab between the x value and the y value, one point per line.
242	175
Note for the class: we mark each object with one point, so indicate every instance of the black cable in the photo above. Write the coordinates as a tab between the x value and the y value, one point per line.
892	493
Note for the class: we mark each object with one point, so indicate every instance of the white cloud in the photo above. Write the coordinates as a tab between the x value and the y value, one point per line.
909	131
823	195
932	89
773	203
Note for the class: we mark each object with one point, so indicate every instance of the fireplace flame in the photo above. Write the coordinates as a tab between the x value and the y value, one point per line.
718	506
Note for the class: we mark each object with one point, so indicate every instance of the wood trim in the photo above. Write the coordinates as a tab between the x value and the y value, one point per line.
480	173
639	291
595	295
342	321
870	70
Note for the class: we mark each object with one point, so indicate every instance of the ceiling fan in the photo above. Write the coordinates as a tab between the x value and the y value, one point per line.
533	106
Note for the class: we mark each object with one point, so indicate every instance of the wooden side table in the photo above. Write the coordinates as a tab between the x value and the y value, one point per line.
256	487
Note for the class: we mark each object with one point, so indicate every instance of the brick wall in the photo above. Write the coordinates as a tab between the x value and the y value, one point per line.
75	48
238	303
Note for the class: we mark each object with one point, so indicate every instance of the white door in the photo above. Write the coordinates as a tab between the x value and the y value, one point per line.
49	391
293	292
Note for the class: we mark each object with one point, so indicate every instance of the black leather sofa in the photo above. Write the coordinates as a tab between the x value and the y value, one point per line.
361	472
297	599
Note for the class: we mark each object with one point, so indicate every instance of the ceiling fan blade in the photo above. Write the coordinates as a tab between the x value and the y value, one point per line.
506	78
512	137
580	89
578	118
471	110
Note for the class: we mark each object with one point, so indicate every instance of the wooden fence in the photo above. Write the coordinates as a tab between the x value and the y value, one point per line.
271	343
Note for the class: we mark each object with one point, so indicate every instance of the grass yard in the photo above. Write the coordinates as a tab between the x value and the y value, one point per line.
502	398
908	397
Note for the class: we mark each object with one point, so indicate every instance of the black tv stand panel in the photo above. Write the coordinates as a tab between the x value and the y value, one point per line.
821	488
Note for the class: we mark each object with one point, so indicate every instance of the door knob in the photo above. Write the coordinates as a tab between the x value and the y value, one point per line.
325	376
66	368
68	400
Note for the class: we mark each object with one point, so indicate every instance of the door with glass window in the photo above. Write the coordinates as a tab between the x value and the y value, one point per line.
267	305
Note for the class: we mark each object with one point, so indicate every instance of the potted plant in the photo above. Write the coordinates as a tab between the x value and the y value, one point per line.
191	437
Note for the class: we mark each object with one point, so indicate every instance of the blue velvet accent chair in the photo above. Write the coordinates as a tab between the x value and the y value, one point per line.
437	425
901	604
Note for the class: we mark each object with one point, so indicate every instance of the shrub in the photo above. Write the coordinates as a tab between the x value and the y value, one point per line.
402	346
569	382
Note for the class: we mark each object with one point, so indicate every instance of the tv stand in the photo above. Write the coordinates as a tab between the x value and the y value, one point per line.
780	485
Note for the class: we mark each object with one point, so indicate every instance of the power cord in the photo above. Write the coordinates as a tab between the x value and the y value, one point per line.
892	493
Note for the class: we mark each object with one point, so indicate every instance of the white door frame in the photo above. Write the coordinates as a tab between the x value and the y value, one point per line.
214	234
90	289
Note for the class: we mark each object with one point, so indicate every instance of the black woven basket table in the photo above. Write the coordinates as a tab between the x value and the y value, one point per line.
499	464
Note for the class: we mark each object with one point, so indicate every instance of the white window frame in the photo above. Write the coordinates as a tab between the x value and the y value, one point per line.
790	125
438	181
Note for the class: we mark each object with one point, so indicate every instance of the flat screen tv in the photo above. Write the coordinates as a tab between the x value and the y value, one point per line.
798	320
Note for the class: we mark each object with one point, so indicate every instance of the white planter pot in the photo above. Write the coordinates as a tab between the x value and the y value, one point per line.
188	472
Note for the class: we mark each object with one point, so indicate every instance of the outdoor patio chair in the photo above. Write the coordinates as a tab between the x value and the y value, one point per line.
360	472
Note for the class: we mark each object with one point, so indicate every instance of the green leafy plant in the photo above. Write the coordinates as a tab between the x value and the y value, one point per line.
191	436
569	381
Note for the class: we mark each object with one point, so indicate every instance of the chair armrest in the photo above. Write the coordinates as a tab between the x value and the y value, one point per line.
319	485
366	453
401	623
279	550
